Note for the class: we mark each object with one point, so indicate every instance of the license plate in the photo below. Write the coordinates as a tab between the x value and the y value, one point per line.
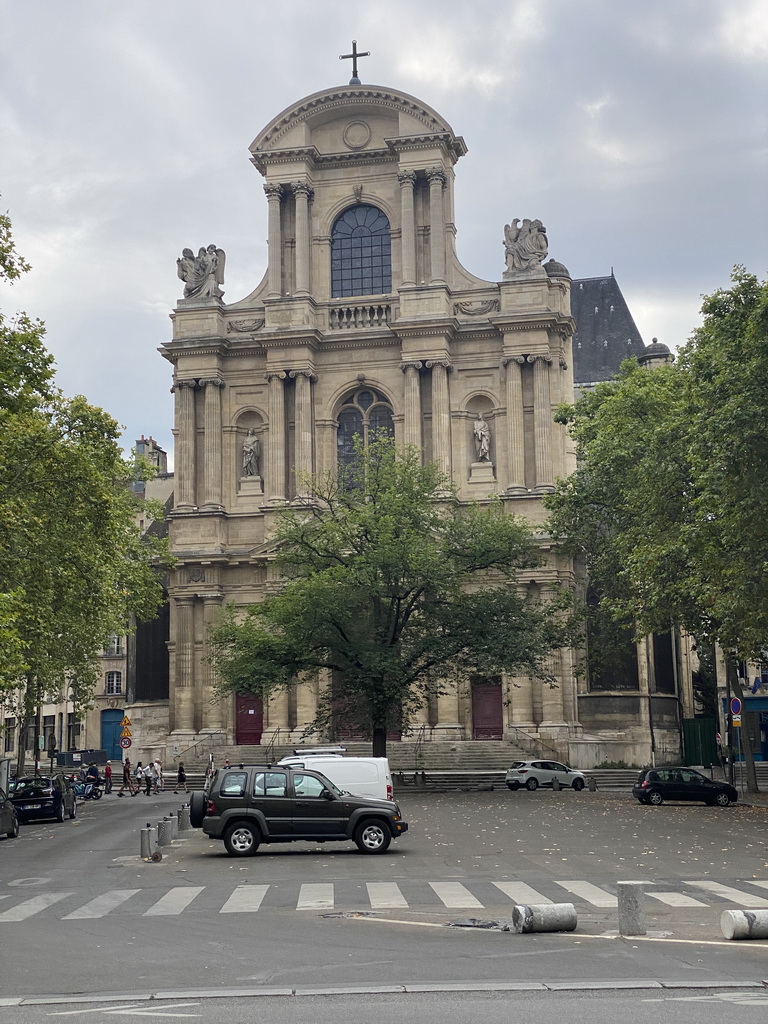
31	807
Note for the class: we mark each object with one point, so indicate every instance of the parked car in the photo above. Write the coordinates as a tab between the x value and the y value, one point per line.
655	785
533	774
361	776
248	805
44	796
9	819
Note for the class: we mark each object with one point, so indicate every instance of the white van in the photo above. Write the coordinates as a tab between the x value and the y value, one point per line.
361	776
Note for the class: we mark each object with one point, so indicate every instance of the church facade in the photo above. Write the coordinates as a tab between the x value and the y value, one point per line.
366	319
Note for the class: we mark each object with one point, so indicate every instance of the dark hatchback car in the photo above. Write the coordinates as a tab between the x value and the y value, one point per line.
44	796
655	785
9	819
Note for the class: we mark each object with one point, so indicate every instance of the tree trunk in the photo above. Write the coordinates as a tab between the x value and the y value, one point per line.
746	743
379	741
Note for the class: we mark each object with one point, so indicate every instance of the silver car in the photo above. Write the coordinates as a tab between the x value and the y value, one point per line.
533	774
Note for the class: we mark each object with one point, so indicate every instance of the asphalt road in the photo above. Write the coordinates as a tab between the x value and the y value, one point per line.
81	913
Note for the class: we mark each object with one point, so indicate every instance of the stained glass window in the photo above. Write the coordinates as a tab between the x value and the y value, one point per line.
363	411
361	253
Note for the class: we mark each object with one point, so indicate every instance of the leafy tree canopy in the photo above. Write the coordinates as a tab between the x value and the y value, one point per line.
391	583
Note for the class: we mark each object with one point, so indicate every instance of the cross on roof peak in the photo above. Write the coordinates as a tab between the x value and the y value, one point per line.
354	80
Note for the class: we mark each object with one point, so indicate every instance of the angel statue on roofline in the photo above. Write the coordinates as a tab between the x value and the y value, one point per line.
203	275
525	245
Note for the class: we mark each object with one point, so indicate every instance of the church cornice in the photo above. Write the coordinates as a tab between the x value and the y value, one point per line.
455	145
528	320
208	346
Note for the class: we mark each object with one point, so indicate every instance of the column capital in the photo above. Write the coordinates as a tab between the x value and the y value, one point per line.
271	375
413	364
180	384
215	382
302	188
309	374
435	175
512	359
539	356
272	190
439	362
406	178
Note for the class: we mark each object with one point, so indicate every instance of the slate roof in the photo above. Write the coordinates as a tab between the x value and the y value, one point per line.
606	334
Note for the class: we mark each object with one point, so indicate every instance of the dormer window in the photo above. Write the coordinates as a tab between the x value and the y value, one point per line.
361	253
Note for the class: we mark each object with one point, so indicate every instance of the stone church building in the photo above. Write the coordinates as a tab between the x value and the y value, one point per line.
366	319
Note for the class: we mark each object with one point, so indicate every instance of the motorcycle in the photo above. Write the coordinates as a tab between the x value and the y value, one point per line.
88	789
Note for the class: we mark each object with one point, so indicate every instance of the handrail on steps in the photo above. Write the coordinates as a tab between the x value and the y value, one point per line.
200	742
533	744
271	746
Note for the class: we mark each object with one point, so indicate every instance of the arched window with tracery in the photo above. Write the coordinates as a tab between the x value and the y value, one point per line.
364	412
361	253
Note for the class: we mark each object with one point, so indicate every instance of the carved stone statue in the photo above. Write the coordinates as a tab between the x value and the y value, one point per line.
525	245
203	275
251	453
482	439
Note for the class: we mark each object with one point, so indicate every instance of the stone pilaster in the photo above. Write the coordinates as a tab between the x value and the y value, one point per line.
302	192
552	696
542	422
213	711
521	703
185	664
412	403
303	426
186	443
407	180
276	439
212	443
274	245
436	179
515	428
441	414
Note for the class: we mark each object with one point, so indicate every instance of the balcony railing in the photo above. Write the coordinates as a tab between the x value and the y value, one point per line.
360	316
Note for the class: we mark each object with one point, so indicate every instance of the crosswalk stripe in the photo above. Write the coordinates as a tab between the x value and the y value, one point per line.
316	896
590	893
174	901
102	905
676	899
745	899
246	899
385	895
763	885
521	893
454	894
33	906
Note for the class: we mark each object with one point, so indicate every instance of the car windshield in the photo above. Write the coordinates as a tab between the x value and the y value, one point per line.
33	787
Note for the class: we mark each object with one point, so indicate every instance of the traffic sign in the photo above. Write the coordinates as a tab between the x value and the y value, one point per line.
718	737
735	706
126	721
737	721
125	742
126	734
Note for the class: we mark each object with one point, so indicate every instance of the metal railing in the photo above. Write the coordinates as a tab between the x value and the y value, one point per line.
199	743
271	746
534	745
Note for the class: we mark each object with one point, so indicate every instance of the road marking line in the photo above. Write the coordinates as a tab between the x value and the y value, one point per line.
246	899
30	907
385	895
102	905
676	899
316	896
763	885
454	894
521	893
590	893
174	901
745	899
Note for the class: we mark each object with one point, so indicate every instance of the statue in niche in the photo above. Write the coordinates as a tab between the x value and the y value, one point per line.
525	245
203	275
482	439
251	453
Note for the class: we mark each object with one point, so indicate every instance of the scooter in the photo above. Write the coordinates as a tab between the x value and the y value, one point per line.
88	790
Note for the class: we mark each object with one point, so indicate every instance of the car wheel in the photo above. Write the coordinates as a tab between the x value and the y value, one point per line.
578	785
532	784
655	798
722	799
372	837
14	833
242	839
73	812
514	786
196	808
60	812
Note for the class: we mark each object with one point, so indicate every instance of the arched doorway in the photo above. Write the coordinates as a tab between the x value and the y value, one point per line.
249	719
110	733
487	709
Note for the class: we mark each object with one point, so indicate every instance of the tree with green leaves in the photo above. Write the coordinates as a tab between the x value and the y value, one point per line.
667	505
73	566
393	585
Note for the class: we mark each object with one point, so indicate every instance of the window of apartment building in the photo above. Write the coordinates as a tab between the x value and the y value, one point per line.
114	648
73	732
9	735
49	731
114	682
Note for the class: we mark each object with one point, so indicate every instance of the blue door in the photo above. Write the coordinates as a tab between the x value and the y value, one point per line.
110	733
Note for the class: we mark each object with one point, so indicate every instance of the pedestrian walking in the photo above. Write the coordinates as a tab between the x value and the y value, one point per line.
148	780
181	779
139	776
159	778
127	779
108	777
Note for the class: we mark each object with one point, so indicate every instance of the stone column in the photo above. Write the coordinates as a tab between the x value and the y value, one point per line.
441	414
407	180
448	725
186	440
412	403
213	713
542	422
212	443
276	440
552	703
436	179
184	689
274	245
515	428
303	425
521	703
302	192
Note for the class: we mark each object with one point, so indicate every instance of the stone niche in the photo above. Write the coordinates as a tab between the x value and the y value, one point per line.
480	441
248	457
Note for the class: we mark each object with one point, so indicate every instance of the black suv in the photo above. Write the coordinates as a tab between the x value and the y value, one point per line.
655	785
247	805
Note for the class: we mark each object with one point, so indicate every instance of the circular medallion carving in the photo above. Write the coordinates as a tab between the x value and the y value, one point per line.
356	135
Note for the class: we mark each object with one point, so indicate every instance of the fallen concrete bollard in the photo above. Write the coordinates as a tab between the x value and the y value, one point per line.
744	924
544	917
184	823
631	911
148	842
163	832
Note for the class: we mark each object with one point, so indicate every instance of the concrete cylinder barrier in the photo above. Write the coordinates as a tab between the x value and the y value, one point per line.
174	825
744	924
163	832
544	917
631	909
592	785
184	823
148	842
556	785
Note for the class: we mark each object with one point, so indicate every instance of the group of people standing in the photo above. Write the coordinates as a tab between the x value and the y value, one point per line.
148	778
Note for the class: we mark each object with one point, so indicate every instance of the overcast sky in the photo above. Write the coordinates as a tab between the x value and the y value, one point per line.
636	130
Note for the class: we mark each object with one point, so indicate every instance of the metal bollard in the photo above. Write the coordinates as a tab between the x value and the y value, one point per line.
744	924
592	785
184	823
631	910
163	832
544	917
148	842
